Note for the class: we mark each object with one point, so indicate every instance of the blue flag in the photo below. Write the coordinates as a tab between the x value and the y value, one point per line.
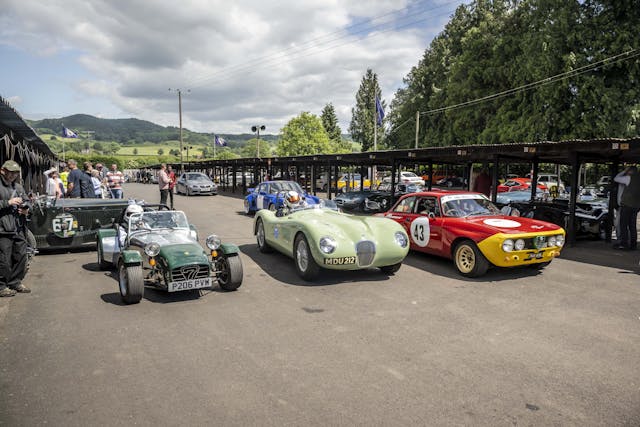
68	133
220	141
379	112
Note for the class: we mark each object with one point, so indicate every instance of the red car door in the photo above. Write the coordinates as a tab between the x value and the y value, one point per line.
420	217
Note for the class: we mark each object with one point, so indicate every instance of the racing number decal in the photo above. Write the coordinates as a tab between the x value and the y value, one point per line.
420	231
64	225
260	202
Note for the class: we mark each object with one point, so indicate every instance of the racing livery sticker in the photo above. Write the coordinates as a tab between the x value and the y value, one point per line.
504	223
420	231
64	225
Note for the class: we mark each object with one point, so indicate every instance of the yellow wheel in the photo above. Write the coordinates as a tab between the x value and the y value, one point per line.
469	260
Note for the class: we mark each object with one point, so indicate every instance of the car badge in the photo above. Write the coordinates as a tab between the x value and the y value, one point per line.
537	227
276	232
190	271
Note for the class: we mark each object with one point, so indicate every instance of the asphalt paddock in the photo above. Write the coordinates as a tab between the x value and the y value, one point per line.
560	347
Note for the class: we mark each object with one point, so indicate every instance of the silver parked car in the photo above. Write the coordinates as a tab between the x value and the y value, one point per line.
192	183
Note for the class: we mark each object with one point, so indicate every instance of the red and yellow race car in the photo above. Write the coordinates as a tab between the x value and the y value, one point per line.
468	228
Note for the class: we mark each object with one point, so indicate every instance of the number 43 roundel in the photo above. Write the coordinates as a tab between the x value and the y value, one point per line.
420	231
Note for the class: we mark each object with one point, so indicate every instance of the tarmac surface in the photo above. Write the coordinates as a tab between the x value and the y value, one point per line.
423	347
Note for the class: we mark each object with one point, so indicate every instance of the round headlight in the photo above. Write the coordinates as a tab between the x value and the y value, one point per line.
519	245
560	240
328	245
152	249
551	241
507	245
213	242
401	239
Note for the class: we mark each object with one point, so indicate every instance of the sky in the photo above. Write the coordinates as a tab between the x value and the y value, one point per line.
236	63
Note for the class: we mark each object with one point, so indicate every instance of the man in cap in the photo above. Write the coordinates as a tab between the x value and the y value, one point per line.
14	208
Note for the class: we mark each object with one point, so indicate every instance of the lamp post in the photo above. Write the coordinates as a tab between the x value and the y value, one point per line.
257	130
180	114
188	147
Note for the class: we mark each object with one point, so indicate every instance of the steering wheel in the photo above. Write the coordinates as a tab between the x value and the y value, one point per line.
449	211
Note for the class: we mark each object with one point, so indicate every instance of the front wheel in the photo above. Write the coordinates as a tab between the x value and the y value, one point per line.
306	266
391	269
131	283
263	246
469	260
102	264
230	275
247	207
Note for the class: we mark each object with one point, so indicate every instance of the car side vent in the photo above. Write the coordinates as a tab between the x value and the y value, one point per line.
366	252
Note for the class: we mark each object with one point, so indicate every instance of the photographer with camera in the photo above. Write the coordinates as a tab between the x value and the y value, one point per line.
14	208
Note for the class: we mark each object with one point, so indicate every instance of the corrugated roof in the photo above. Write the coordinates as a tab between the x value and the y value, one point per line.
11	119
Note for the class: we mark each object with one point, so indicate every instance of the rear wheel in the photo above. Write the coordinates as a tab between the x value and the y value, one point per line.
469	260
247	207
263	246
391	269
306	266
230	276
131	283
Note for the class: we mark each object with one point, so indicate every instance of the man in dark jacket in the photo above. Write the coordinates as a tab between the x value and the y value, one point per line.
14	209
629	207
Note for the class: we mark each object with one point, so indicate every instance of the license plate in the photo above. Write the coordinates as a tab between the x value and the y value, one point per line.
340	261
185	285
534	255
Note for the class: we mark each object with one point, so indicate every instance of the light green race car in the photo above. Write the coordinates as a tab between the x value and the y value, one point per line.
319	236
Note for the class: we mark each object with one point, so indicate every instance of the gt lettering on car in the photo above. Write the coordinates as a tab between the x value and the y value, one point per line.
340	261
420	231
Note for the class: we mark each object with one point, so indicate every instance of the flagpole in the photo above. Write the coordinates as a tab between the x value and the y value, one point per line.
375	125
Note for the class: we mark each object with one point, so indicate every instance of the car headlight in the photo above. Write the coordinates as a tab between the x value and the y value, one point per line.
152	249
328	245
559	240
519	245
401	239
213	242
507	245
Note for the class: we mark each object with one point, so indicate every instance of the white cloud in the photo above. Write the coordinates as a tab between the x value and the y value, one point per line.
246	62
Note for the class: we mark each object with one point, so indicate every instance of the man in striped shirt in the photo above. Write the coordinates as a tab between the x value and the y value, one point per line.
115	178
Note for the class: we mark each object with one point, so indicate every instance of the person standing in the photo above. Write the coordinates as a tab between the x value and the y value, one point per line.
482	183
163	183
97	183
14	208
629	207
115	178
78	183
172	183
52	186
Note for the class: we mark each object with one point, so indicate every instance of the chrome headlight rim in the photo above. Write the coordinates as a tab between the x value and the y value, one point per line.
327	244
551	241
560	240
213	242
519	244
401	239
508	245
152	249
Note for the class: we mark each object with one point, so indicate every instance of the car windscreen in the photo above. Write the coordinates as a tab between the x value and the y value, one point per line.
158	219
287	186
197	177
464	205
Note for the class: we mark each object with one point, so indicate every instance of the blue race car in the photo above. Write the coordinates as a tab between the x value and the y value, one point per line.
270	195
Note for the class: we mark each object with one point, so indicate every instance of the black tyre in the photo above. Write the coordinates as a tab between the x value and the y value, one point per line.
263	246
188	191
102	264
469	260
247	207
306	266
230	275
391	269
131	283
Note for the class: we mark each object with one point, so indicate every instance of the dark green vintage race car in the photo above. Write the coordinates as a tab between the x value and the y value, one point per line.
159	248
67	223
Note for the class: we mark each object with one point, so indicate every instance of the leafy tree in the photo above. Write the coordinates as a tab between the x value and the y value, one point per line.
363	114
330	123
304	135
160	151
135	152
225	154
251	148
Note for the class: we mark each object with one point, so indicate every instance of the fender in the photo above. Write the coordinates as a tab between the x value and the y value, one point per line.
229	249
106	232
131	258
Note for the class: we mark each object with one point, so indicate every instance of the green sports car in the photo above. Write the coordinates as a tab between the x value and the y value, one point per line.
159	248
318	237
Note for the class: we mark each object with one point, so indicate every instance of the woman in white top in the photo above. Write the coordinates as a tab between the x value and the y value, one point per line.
52	186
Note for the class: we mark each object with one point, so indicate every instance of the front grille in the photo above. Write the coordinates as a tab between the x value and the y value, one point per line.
366	252
190	272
